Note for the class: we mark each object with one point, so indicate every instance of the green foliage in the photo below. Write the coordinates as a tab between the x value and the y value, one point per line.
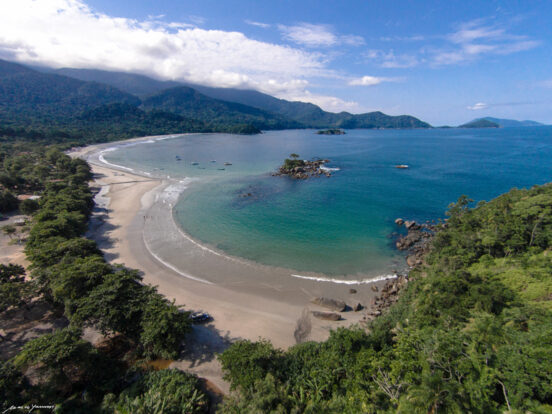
163	327
12	385
167	391
246	362
65	364
472	331
8	202
13	289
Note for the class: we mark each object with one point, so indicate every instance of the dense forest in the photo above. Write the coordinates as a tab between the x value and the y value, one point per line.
472	332
69	273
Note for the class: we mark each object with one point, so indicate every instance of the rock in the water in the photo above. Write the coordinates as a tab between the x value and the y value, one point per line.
333	304
357	307
328	316
399	222
409	224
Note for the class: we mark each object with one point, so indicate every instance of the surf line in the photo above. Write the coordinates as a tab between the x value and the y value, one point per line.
174	268
347	282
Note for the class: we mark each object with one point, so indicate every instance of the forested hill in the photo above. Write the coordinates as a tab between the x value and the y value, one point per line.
50	106
471	333
190	103
307	114
31	96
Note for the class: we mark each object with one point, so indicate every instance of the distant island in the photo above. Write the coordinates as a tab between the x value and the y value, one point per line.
507	123
490	122
480	123
331	132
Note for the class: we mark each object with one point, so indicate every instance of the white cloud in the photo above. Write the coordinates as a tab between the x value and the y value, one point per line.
68	33
371	80
317	35
478	106
391	60
470	41
258	24
473	40
329	103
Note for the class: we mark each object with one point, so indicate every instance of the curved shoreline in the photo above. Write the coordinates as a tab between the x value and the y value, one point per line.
247	300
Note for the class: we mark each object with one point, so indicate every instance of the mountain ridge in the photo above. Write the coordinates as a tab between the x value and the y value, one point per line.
307	114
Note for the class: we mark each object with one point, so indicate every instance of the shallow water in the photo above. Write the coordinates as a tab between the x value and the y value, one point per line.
340	225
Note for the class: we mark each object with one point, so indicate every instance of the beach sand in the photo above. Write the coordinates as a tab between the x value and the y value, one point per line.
133	226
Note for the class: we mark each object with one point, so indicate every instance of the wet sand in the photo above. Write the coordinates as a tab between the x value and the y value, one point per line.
134	226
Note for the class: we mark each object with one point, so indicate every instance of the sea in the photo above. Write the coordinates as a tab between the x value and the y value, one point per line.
344	224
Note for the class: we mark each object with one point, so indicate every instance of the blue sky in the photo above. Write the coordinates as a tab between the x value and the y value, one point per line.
445	62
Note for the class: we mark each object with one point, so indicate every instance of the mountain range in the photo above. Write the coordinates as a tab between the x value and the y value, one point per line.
279	113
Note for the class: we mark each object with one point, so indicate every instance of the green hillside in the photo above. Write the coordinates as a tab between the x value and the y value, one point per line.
45	106
189	102
471	332
306	114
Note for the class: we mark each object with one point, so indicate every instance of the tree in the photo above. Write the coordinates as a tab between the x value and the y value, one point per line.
67	363
168	391
294	156
13	289
163	327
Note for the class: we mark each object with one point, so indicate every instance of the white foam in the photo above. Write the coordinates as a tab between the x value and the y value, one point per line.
174	268
345	281
102	159
324	168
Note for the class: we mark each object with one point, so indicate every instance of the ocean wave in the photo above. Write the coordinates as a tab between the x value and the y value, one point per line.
324	168
174	268
102	159
345	281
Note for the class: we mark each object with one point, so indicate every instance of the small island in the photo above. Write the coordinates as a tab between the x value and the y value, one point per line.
331	132
302	169
480	123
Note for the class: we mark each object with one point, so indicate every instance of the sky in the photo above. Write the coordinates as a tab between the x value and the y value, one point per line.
445	62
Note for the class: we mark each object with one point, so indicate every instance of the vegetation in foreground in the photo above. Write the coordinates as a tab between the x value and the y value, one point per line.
471	333
69	272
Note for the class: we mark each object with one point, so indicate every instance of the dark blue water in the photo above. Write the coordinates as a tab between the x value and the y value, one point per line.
339	225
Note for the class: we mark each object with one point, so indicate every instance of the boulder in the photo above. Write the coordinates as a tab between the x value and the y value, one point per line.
333	304
351	291
328	316
357	307
412	261
399	222
410	224
374	288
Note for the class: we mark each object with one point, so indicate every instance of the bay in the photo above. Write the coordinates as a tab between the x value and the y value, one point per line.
342	225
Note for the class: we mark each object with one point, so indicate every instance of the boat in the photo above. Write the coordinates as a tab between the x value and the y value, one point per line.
402	166
213	160
195	163
221	169
178	158
227	163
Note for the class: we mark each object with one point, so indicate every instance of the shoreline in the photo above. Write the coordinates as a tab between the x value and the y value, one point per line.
133	224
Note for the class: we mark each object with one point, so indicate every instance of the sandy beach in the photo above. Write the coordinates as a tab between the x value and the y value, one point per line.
134	226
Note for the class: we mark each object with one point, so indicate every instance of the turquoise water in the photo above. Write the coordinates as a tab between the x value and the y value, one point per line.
339	225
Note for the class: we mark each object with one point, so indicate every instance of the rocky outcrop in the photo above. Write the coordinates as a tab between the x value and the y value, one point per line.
331	132
333	304
328	316
417	240
306	170
389	295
